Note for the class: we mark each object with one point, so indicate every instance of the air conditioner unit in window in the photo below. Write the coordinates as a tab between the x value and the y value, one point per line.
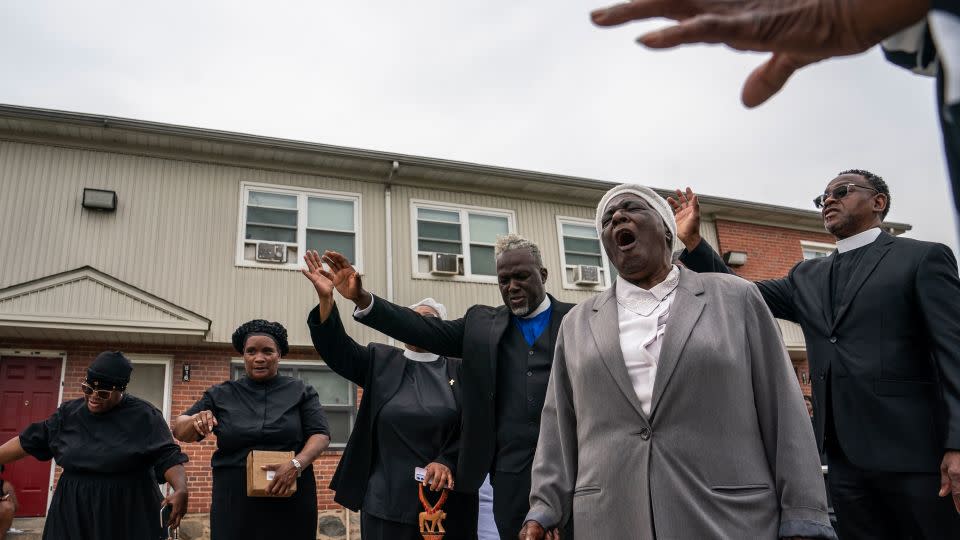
271	252
445	264
586	275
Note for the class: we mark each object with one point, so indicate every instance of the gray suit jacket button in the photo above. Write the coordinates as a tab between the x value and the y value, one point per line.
645	434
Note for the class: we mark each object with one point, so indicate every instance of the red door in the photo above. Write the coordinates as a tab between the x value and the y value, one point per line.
29	390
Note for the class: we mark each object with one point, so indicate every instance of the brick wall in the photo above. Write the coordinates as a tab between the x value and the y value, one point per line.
208	366
771	251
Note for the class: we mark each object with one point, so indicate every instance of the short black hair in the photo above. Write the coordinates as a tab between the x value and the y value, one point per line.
260	326
876	183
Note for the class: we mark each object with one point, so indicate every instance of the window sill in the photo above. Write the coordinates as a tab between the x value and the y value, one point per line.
585	288
487	280
268	266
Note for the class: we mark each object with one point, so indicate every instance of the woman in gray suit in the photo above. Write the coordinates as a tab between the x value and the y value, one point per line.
672	411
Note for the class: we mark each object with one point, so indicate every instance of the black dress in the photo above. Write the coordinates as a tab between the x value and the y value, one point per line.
278	414
111	466
409	416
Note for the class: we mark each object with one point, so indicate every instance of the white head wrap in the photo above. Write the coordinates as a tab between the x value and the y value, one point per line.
434	305
657	202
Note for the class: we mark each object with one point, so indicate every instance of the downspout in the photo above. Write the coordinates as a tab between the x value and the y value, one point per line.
388	232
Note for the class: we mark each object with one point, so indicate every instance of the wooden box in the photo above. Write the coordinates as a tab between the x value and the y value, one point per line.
258	479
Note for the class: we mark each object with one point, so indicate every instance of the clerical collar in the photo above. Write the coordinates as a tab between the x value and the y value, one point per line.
545	305
420	356
643	301
858	240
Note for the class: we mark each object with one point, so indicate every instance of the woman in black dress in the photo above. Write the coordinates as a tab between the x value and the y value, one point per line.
8	505
113	448
260	411
409	417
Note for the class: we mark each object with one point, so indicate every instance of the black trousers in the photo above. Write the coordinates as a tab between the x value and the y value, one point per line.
872	505
511	501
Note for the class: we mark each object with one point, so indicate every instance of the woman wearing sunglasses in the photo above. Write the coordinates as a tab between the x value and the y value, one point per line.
113	448
262	410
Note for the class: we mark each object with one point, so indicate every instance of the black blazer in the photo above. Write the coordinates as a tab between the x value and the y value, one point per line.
474	338
892	353
378	369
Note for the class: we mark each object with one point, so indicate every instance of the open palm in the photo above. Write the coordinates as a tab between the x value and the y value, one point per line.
686	210
321	279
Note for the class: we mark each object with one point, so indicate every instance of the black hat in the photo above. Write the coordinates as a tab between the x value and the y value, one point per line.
274	330
110	369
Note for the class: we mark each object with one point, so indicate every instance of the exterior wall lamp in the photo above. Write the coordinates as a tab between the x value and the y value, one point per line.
102	200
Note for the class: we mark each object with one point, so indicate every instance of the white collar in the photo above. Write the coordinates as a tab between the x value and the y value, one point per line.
643	301
543	307
858	240
420	356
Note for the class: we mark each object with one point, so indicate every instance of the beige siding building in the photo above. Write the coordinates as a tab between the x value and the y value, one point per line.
208	232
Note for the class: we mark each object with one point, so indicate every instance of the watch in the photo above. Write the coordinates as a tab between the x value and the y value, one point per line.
296	465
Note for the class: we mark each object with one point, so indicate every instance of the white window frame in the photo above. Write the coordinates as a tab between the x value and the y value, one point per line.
464	211
321	366
607	277
303	194
821	247
158	359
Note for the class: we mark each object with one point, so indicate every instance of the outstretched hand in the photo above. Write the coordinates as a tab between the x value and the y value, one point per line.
797	32
344	277
686	210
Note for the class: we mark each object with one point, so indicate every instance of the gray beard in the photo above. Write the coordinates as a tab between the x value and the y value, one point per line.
521	311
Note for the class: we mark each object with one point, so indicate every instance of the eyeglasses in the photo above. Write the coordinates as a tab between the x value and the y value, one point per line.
89	390
838	193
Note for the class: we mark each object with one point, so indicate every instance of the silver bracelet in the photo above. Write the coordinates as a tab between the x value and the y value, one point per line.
296	465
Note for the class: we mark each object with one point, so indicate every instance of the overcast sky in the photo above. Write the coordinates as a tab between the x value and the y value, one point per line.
531	85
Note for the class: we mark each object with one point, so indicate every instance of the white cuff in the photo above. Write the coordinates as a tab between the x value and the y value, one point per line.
361	313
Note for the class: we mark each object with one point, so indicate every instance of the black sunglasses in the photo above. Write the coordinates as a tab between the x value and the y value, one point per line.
838	193
89	390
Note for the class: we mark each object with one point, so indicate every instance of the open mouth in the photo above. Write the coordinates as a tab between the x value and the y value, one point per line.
830	212
624	238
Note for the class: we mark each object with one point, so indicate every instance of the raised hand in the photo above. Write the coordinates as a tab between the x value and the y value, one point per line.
686	210
321	279
344	277
798	32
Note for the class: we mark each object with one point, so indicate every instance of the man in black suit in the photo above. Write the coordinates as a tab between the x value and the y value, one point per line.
507	354
881	319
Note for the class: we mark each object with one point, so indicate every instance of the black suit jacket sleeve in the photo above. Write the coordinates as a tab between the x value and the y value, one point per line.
938	291
444	338
451	447
777	293
345	356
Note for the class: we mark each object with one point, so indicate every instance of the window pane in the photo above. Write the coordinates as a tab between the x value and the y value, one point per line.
581	245
487	228
482	261
147	382
330	214
271	234
271	217
339	425
272	199
438	231
579	230
438	215
342	243
591	260
333	389
440	247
